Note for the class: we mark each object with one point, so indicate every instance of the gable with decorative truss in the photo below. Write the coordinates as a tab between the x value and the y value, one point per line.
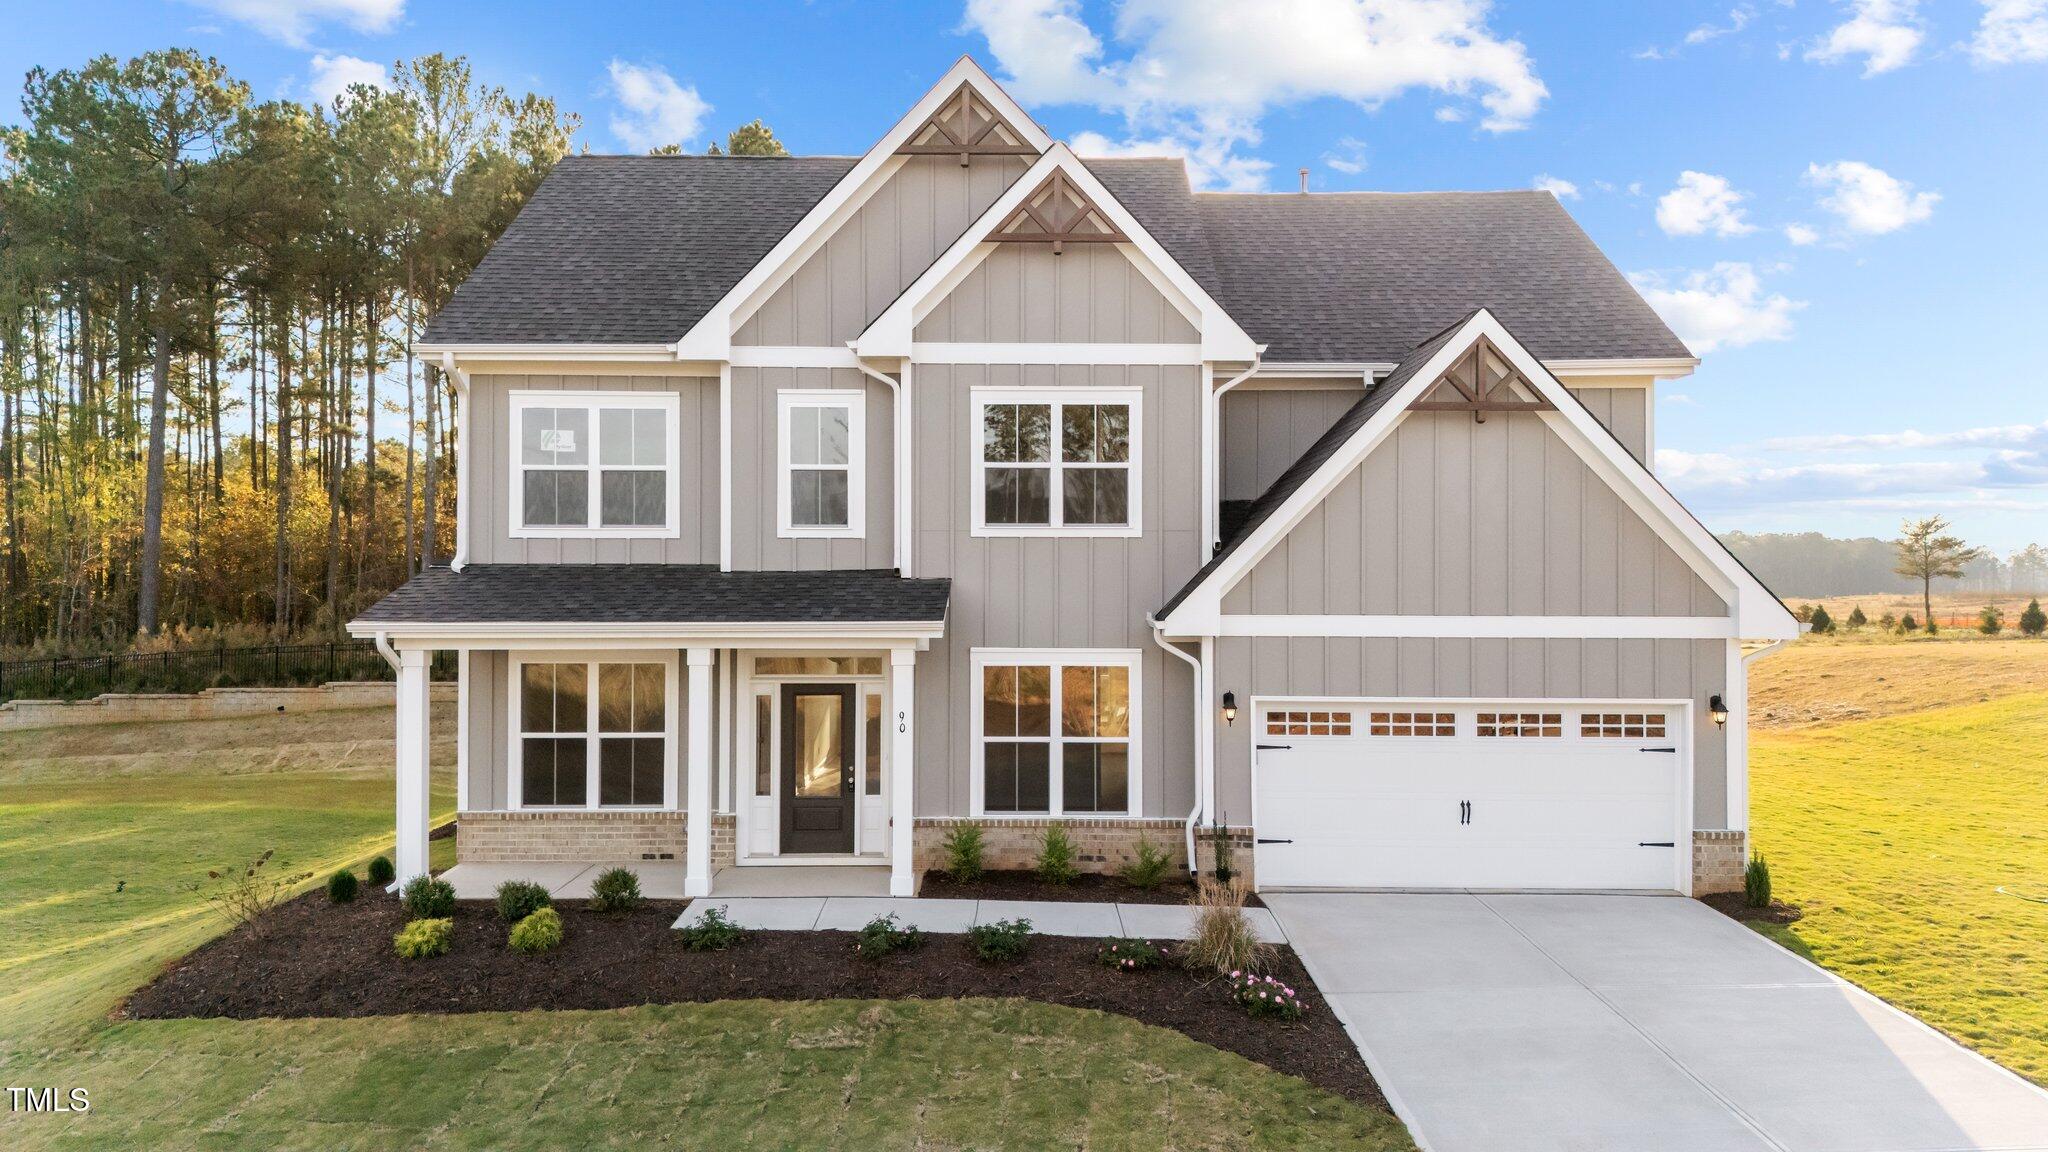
1479	382
1058	213
966	125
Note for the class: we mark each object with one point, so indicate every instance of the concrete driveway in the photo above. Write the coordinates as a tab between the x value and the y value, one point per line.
1530	1023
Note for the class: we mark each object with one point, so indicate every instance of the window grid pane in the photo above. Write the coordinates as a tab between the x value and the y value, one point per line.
1336	722
1091	744
1623	725
569	454
1537	724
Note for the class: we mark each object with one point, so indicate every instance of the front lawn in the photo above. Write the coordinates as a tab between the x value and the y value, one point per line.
1894	836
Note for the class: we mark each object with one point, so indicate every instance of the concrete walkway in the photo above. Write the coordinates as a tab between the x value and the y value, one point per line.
1533	1023
1050	917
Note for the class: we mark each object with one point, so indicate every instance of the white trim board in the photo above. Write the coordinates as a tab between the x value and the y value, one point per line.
1484	627
892	333
1755	612
942	353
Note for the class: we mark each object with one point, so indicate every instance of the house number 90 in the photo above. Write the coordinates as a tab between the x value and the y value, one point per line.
901	725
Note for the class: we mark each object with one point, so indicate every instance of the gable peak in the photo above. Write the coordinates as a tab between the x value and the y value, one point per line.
966	124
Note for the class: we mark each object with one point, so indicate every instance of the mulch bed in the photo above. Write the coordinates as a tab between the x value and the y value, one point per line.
314	958
1732	904
1088	888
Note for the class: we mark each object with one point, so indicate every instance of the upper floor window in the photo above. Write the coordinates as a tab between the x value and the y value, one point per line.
1060	462
594	464
821	448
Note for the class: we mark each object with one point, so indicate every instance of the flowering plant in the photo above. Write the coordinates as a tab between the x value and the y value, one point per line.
1129	954
1265	996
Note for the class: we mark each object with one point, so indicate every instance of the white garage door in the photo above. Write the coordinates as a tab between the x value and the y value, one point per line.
1522	794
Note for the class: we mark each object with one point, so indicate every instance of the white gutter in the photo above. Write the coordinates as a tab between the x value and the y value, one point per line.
461	558
385	650
899	458
1212	468
1201	700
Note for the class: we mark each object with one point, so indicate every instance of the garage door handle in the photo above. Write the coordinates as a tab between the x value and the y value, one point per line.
1263	840
1656	749
1272	747
1656	844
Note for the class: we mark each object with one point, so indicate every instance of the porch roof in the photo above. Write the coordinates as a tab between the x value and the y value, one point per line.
654	595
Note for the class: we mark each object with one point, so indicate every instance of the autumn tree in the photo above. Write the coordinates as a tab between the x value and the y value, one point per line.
1926	552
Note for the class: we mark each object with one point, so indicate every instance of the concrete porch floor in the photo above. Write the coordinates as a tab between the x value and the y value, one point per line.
663	879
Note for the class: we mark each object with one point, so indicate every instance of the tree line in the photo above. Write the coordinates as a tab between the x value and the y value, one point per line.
1814	565
210	416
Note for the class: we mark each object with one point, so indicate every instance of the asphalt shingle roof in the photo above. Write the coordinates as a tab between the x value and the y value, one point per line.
636	249
657	594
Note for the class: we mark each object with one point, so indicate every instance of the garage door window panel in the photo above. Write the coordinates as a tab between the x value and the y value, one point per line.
1431	724
1623	725
1313	722
1540	725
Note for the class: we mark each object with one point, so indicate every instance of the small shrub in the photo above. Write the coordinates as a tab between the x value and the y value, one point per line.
537	932
615	890
1129	954
1756	883
884	935
712	932
1933	627
518	899
1888	622
1224	942
1056	856
1264	996
1821	621
1908	624
2033	621
341	887
963	848
1990	621
429	898
381	872
241	895
1149	866
1857	620
423	938
1001	941
1219	853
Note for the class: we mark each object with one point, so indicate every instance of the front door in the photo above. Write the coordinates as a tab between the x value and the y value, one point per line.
817	768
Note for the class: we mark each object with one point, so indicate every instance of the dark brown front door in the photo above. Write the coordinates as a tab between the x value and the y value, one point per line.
817	767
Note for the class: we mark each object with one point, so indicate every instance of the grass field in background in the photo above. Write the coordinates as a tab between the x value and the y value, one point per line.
1895	833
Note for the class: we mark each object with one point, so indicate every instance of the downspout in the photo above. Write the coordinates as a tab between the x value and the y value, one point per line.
461	378
1200	701
899	457
389	653
1212	466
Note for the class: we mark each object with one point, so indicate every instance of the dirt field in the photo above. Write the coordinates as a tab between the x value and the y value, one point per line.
1818	680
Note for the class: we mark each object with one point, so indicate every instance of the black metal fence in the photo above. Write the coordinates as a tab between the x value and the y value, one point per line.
193	669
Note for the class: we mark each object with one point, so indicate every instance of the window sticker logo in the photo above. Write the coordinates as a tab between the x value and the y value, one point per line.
558	439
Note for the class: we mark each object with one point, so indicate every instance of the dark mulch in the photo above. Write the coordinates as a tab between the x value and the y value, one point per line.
1086	888
317	958
444	832
1733	905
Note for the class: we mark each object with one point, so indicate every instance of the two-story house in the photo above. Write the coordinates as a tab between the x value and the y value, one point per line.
811	506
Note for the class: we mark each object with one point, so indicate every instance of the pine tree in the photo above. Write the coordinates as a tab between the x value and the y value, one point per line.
1908	624
1888	622
1857	619
1926	553
2033	621
1990	621
1822	623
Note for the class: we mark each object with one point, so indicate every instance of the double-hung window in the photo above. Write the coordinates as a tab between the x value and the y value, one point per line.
1056	733
594	464
821	450
1061	462
592	734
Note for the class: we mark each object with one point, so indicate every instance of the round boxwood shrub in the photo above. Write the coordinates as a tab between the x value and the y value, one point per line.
423	938
538	932
381	871
518	899
615	890
428	898
341	887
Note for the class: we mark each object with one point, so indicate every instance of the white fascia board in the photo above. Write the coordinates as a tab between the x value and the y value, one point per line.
1056	353
1321	369
1757	613
891	333
637	353
792	356
1483	627
711	337
1656	368
780	634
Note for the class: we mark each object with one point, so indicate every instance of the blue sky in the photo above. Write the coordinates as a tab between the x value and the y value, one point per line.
1835	201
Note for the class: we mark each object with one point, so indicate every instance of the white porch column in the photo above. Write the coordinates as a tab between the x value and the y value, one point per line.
697	772
414	748
902	773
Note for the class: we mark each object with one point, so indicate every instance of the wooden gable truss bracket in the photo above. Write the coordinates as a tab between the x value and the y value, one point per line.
965	126
1058	213
1487	391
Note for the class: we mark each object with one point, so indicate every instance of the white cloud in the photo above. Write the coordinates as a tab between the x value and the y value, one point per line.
1720	307
1347	157
1885	33
2003	435
1560	188
293	20
657	110
1699	203
2012	31
330	76
1738	19
1869	201
1200	75
1449	115
1801	234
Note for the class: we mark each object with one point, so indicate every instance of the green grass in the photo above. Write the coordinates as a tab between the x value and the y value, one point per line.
1894	836
156	805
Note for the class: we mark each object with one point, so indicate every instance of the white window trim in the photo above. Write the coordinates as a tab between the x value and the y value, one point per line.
855	402
671	738
982	397
1057	658
668	403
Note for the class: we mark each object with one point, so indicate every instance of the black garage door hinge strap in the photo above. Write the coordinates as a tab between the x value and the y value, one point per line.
1656	749
1656	844
1272	747
1263	840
